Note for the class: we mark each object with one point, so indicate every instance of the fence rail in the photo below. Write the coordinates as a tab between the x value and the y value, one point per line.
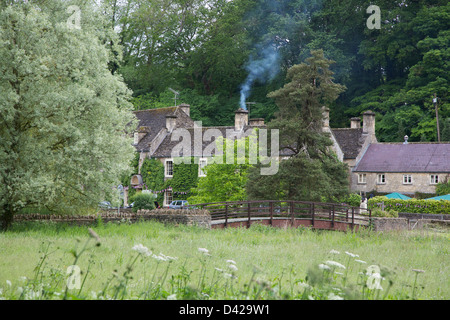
227	212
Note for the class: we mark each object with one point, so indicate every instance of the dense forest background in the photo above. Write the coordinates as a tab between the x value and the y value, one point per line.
217	52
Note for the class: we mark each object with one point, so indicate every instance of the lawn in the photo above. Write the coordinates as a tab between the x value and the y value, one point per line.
149	260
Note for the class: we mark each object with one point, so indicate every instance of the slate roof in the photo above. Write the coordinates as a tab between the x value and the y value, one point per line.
155	119
350	141
165	148
411	157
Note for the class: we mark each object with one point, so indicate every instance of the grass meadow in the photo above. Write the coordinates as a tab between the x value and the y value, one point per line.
150	260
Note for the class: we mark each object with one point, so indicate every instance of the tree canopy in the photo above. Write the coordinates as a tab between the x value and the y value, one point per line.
63	115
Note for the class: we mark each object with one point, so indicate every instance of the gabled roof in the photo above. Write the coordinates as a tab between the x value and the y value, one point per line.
155	119
411	157
350	141
167	145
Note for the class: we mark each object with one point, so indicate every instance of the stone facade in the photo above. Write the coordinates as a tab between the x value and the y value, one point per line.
395	182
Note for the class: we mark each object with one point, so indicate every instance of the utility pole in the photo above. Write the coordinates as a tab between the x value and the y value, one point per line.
435	102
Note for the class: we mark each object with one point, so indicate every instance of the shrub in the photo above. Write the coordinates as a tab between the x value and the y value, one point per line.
377	212
143	201
410	206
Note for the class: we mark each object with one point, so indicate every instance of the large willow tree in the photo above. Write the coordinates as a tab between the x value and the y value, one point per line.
63	114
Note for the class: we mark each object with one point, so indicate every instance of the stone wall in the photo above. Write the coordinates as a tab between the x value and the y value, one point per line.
199	218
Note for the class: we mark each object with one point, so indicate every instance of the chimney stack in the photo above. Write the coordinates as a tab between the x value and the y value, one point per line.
186	108
256	122
326	117
355	123
171	121
369	122
240	119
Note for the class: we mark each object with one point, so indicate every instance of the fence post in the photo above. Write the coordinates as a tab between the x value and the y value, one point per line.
292	213
226	215
312	214
332	218
248	209
271	212
353	217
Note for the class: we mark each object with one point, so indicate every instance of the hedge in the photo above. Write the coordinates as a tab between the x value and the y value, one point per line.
410	205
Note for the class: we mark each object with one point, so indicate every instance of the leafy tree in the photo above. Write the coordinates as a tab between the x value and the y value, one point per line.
312	172
63	114
224	181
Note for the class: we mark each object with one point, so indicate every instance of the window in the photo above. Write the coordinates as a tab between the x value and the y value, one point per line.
362	178
434	179
381	179
168	197
407	179
169	168
201	164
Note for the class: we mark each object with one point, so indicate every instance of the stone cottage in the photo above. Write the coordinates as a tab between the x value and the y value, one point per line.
157	137
406	168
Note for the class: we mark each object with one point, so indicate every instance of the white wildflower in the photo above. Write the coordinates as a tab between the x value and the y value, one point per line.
203	250
231	261
8	283
304	285
351	254
227	275
172	297
324	267
340	273
159	258
142	250
334	264
334	251
360	261
233	267
333	296
168	258
220	270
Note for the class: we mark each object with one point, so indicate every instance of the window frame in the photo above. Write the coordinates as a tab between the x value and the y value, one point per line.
200	170
362	178
383	178
434	179
168	198
166	168
407	179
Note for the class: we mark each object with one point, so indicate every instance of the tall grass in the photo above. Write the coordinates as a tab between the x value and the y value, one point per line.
149	260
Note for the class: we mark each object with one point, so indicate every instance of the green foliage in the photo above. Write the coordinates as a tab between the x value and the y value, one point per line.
143	200
352	199
63	113
443	188
224	181
312	172
152	172
377	212
410	205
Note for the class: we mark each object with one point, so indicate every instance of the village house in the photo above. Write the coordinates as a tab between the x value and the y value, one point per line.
406	168
373	167
154	138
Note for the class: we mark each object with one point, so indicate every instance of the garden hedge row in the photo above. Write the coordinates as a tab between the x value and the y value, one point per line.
411	205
